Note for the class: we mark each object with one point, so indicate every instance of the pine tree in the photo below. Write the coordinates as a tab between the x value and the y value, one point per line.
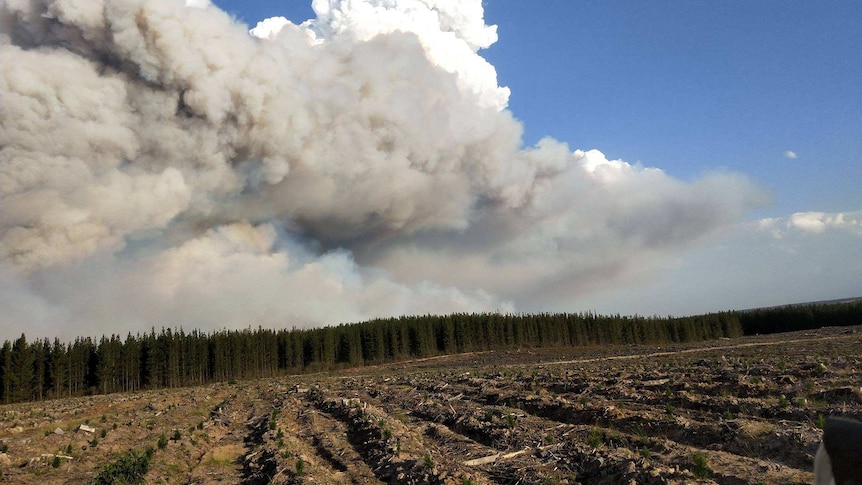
6	373
22	370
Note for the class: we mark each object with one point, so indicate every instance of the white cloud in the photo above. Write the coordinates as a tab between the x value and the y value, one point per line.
269	28
814	223
790	154
818	222
198	3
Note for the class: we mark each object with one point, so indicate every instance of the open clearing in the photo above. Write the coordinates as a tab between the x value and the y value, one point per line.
732	412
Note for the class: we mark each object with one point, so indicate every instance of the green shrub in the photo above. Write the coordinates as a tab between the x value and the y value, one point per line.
130	467
163	442
272	419
668	409
427	462
510	420
701	466
595	438
300	467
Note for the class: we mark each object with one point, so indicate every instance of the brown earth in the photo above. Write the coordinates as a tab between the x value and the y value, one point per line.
731	412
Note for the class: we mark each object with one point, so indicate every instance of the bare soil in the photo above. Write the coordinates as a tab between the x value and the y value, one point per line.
731	412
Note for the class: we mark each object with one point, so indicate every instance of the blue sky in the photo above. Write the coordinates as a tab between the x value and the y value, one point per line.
697	86
688	87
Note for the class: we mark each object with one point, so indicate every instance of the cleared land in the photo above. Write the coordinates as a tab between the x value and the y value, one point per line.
732	411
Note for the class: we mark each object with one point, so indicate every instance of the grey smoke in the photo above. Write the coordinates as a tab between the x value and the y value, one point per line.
161	166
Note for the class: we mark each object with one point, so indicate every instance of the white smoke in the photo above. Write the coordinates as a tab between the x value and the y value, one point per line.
162	166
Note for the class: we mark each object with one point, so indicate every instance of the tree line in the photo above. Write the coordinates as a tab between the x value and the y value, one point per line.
790	318
44	369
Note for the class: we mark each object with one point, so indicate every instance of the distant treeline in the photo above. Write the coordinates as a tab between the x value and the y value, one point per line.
45	369
800	317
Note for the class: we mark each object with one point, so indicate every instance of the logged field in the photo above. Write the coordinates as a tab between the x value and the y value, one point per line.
739	411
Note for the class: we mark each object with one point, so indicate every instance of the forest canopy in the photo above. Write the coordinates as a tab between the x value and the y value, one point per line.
44	369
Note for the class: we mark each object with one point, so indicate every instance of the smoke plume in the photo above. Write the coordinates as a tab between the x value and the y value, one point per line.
162	165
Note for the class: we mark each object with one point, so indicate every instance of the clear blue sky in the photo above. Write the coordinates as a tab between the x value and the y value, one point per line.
694	86
687	87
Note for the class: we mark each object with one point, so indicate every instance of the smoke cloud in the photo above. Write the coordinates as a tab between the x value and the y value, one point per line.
162	165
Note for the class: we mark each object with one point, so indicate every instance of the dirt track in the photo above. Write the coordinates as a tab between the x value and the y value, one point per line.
732	412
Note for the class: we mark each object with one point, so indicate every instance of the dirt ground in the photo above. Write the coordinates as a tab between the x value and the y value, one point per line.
736	411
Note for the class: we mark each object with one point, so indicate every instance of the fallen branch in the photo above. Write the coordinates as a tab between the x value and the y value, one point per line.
514	454
483	460
492	458
51	455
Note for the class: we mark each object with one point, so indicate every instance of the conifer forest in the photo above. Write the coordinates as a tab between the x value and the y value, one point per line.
168	358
